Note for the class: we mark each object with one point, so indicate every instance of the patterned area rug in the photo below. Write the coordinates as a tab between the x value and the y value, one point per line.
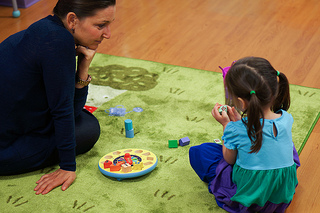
164	102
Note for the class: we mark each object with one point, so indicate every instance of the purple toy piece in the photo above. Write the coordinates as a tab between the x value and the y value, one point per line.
184	141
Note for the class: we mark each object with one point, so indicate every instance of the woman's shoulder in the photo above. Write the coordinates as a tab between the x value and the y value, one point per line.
49	33
50	27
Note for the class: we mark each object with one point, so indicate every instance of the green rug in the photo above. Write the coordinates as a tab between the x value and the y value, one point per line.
176	103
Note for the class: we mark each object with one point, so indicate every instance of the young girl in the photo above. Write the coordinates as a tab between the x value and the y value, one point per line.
255	168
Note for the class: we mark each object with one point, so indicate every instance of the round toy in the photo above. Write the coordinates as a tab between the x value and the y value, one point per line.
127	163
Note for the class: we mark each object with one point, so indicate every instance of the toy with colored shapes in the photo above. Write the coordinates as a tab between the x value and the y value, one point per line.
138	166
173	143
107	164
184	141
145	162
127	158
223	108
126	168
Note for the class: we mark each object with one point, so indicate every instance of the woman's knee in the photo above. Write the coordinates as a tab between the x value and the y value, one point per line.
87	131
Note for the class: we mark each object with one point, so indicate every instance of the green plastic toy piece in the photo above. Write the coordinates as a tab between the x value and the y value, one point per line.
173	143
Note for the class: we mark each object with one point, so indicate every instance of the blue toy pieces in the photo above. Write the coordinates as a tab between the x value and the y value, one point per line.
119	110
184	141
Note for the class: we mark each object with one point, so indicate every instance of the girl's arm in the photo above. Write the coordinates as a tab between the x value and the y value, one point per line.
224	118
229	155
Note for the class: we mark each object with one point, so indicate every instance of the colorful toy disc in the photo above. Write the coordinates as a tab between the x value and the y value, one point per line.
116	164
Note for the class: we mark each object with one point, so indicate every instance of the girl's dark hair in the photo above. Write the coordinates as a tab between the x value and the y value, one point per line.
257	74
82	8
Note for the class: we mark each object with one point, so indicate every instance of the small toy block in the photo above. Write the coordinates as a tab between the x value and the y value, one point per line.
90	108
107	164
173	143
127	157
115	168
184	141
137	166
217	141
223	108
126	168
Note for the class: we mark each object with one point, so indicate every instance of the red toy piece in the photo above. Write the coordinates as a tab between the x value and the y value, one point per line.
127	157
107	164
90	108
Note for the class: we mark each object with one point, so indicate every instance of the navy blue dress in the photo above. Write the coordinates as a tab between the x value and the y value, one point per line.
39	101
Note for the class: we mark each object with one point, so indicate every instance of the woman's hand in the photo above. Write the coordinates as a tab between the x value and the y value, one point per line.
85	57
50	181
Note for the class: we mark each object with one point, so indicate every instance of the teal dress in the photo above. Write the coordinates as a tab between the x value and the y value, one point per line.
263	181
270	174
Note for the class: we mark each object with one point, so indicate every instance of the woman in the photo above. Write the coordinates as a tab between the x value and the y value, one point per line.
42	120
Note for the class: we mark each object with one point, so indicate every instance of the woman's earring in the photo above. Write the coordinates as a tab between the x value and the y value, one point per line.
72	30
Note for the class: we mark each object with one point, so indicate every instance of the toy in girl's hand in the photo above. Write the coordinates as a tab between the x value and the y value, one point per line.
223	108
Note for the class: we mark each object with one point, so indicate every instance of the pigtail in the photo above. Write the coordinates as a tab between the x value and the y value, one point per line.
254	126
282	101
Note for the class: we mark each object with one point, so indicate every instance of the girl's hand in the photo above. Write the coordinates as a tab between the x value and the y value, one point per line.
50	181
233	114
85	57
222	118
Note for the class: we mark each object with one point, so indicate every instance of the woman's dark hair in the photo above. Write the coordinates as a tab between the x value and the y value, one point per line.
82	8
257	74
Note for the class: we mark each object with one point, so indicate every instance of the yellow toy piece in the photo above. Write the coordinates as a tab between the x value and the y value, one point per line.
137	166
